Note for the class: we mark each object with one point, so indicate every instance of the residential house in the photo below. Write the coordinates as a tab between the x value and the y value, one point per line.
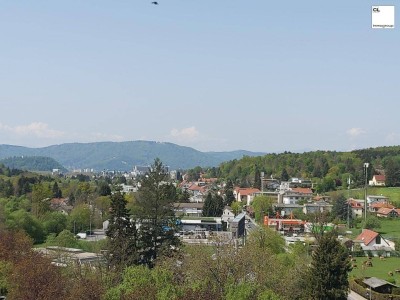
294	195
287	209
386	212
320	206
228	215
374	207
378	180
322	197
371	241
197	192
357	207
245	195
377	198
61	205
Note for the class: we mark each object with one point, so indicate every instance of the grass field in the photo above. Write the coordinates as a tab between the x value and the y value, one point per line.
380	268
390	228
393	193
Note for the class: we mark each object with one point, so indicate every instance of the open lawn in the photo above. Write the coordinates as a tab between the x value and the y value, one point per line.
390	228
380	268
393	193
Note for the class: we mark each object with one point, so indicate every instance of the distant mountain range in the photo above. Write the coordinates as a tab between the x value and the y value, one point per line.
124	155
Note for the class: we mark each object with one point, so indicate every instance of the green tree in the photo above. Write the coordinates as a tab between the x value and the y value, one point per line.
340	209
122	234
22	220
56	191
103	205
154	209
229	196
392	171
213	206
330	266
284	175
183	195
103	189
79	219
262	206
54	222
237	207
372	223
41	195
257	178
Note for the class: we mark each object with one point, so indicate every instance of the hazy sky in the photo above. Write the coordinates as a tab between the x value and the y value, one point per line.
210	74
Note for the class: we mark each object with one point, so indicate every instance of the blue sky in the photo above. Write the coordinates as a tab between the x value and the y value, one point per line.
213	75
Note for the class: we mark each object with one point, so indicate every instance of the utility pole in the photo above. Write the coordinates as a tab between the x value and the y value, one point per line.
366	165
262	183
348	202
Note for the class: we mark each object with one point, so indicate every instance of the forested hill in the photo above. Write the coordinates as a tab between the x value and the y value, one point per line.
124	155
328	168
32	163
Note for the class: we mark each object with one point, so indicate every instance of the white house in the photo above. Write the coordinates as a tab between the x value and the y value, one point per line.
377	180
294	195
372	241
245	195
357	207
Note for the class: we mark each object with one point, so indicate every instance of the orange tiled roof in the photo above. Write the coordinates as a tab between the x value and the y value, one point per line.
385	210
247	191
380	177
381	205
367	236
302	190
355	204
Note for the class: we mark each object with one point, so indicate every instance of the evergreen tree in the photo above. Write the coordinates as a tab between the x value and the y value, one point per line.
340	208
392	171
229	196
213	206
155	211
330	266
257	179
184	196
284	175
56	191
208	206
104	189
122	234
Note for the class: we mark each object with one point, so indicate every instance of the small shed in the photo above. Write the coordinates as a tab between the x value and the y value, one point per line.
379	285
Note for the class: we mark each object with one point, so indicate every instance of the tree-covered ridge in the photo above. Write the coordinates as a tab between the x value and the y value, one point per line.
328	168
32	163
123	155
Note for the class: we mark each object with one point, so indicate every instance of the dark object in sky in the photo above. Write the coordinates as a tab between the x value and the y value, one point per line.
154	2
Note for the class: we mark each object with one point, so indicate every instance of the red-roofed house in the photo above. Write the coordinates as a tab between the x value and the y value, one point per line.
357	207
245	194
387	212
378	180
374	207
370	240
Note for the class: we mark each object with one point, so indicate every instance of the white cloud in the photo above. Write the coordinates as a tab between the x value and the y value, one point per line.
188	133
37	129
354	132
